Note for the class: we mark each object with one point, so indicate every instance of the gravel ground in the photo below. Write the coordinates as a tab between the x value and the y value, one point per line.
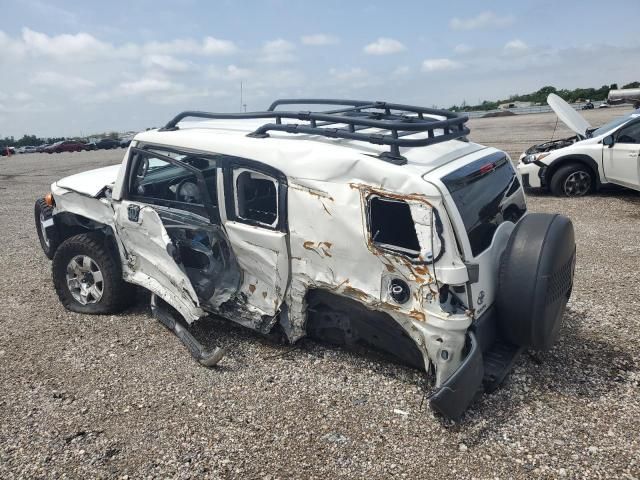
116	396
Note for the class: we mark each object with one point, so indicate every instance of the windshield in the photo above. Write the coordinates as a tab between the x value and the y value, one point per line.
608	126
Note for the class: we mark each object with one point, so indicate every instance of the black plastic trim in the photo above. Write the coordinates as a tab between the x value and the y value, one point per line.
456	394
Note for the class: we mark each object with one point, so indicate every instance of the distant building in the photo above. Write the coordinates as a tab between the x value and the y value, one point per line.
507	106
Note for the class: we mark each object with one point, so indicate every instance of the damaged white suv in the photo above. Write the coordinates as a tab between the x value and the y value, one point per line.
593	157
365	223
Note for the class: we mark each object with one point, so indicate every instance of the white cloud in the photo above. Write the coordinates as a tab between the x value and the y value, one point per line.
515	47
231	72
319	39
354	73
186	95
384	46
146	85
215	46
22	96
462	48
58	80
401	71
278	51
69	47
180	46
9	46
165	62
440	64
483	20
84	47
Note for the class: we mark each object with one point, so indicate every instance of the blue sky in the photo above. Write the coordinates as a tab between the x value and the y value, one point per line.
70	68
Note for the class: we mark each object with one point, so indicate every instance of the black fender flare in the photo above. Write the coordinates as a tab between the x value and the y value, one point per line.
70	224
573	158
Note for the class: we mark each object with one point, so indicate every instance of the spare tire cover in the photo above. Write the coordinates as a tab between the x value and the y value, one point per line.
535	279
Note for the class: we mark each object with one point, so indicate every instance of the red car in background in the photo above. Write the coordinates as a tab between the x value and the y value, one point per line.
65	146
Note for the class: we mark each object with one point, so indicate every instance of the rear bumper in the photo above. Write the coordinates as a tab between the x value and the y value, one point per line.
457	393
487	364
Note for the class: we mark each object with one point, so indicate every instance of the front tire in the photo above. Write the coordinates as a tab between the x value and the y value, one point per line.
88	277
572	180
47	232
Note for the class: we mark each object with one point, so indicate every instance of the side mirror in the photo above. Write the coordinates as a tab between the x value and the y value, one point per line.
608	141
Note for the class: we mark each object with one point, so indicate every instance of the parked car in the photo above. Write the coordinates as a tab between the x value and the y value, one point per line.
40	148
392	229
90	146
582	164
7	151
65	146
26	149
125	142
107	143
588	106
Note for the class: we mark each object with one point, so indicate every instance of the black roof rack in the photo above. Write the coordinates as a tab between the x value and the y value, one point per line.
397	120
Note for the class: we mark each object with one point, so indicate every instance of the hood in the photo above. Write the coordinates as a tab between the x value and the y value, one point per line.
91	182
570	117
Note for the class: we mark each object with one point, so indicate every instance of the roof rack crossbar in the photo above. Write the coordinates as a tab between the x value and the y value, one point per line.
393	121
376	139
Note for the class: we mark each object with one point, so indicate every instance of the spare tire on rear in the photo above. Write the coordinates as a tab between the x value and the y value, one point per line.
535	280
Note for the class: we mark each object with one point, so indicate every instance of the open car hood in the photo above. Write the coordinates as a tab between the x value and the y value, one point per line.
570	117
90	182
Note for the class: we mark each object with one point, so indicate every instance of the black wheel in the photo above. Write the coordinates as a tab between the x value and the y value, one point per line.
572	180
45	226
535	280
88	277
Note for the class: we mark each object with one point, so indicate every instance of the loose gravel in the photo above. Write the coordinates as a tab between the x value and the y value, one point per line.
119	397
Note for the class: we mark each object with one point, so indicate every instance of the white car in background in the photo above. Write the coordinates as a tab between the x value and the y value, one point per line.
27	149
581	164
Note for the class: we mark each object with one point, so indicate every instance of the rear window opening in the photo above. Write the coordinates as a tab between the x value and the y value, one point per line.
486	192
257	198
391	226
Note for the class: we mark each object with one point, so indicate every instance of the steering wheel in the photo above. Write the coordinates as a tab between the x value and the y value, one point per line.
187	191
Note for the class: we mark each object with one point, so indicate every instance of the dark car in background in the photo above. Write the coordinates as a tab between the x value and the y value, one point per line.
7	151
65	146
107	143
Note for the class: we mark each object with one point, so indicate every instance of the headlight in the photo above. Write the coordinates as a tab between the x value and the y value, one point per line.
534	157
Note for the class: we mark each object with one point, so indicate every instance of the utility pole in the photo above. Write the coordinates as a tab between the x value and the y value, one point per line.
243	106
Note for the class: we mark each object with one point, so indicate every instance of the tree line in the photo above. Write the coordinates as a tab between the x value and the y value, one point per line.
540	97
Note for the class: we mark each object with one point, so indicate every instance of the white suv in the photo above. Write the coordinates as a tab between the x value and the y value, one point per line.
581	164
366	223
